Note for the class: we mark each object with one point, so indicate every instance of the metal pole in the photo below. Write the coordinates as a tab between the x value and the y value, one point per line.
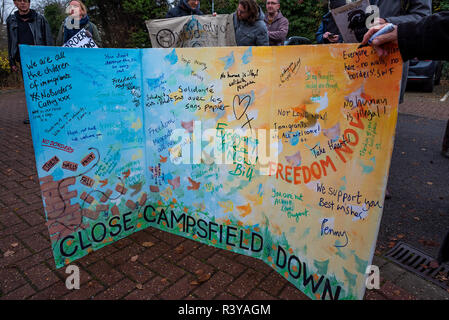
213	10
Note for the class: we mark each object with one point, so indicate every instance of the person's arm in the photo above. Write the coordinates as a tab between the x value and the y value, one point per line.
280	34
96	36
418	9
47	33
60	37
171	13
425	39
262	36
319	34
12	62
420	39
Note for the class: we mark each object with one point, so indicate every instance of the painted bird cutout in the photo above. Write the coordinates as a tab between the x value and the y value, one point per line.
126	173
136	188
103	182
256	199
245	210
175	183
228	206
166	194
200	206
193	184
294	160
163	159
332	133
187	125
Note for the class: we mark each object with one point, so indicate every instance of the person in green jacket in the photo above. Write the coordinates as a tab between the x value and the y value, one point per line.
77	20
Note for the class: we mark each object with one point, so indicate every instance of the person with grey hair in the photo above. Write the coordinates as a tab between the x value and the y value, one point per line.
277	24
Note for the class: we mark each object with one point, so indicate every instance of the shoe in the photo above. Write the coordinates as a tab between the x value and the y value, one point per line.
26	121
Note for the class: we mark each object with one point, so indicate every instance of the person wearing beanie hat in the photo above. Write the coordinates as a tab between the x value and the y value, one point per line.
25	26
334	4
328	31
185	8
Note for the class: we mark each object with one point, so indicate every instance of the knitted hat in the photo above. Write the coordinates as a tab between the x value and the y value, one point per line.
333	4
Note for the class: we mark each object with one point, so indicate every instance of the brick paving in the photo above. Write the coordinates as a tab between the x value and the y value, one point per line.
165	270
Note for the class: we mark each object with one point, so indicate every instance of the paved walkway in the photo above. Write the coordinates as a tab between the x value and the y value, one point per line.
167	269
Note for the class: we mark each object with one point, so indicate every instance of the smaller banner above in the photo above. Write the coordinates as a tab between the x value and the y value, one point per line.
351	20
192	31
82	39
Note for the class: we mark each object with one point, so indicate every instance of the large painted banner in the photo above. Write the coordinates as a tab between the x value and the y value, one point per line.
278	153
192	31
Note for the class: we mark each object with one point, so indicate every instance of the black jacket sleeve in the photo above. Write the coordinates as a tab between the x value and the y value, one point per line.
425	39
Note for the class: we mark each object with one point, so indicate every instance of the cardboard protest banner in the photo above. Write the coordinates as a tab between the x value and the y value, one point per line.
81	40
192	31
277	153
351	20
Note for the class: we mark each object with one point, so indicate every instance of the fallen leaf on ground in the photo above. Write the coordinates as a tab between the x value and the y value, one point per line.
194	283
164	280
134	258
199	272
397	292
8	253
442	276
434	264
204	277
179	249
429	243
148	244
15	244
429	183
139	286
391	244
416	218
400	236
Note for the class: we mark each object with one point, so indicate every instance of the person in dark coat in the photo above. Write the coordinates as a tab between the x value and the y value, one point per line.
277	24
400	11
25	26
249	25
328	31
185	8
425	39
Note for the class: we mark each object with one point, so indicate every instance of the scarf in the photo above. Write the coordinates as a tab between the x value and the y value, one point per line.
70	32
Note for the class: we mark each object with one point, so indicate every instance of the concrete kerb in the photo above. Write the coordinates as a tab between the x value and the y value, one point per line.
410	282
